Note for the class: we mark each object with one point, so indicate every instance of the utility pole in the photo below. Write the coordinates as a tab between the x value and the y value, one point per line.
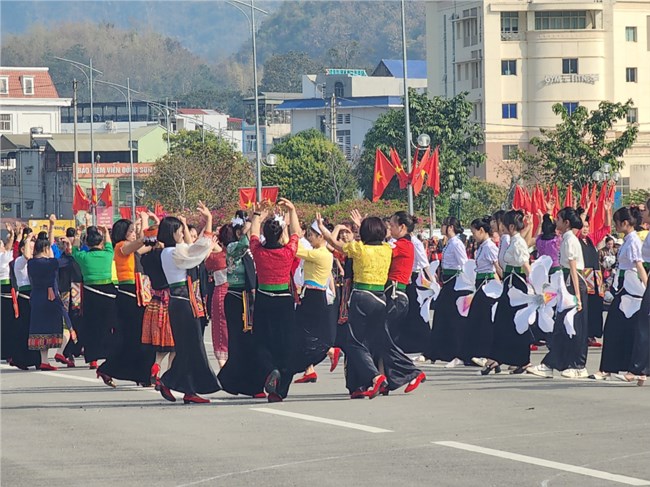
333	118
75	165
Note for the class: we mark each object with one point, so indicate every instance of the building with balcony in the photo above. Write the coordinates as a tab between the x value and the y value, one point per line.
517	58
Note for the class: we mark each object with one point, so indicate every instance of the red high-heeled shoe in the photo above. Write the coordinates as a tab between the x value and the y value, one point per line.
307	378
274	397
418	380
62	360
260	395
166	393
155	370
47	367
108	380
358	394
379	383
194	399
335	359
92	365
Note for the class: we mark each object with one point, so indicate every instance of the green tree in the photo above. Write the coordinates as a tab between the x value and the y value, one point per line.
446	121
311	169
283	72
199	167
637	197
580	144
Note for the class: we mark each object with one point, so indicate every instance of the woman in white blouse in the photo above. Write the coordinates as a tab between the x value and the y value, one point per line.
190	371
477	342
508	346
448	324
568	353
625	340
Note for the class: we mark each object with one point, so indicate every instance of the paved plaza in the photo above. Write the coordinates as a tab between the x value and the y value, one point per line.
67	428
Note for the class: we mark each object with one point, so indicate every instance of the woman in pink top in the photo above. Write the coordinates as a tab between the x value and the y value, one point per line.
273	317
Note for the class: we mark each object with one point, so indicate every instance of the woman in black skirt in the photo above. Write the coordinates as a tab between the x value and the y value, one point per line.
8	316
448	324
190	371
241	374
624	337
480	329
129	360
99	295
568	352
508	346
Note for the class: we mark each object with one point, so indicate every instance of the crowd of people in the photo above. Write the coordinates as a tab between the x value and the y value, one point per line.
281	296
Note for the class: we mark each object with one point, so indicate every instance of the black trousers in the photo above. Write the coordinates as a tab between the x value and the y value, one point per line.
275	335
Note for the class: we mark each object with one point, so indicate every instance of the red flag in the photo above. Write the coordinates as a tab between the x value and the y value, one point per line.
247	198
598	220
125	212
518	200
158	210
433	181
80	201
402	177
556	196
528	200
107	195
593	202
419	172
568	199
93	196
612	193
584	196
270	194
384	172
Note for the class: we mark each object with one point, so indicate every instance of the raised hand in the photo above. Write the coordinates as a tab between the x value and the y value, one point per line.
286	204
356	217
203	210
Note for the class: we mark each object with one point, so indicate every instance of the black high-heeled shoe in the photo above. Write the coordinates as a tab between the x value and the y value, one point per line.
108	380
491	367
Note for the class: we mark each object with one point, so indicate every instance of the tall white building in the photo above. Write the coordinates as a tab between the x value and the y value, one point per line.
517	58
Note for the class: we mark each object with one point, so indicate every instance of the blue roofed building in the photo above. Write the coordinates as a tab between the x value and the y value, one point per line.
358	100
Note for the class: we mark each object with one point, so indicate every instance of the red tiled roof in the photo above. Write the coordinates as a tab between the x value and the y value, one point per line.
191	111
43	85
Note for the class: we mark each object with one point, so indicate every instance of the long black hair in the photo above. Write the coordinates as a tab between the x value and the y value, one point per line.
42	243
548	228
626	214
166	230
454	223
482	224
515	218
120	230
272	231
572	216
93	236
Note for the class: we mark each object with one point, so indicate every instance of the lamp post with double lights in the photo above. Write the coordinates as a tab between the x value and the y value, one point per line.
127	97
459	196
258	148
605	174
89	77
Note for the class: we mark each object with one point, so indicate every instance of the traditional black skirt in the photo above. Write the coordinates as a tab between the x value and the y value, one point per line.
367	318
99	318
8	326
315	330
190	372
570	352
242	373
508	346
128	359
275	335
414	333
449	326
480	327
640	356
619	335
595	315
398	368
22	356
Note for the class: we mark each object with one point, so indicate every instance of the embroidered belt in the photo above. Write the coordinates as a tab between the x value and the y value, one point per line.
514	270
484	275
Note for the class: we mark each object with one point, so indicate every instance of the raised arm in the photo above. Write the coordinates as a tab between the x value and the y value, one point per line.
294	223
207	229
186	231
327	235
11	236
50	231
260	213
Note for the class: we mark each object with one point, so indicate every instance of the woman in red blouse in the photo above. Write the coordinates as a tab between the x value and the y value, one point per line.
273	317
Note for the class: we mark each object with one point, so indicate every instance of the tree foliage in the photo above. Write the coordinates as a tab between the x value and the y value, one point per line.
580	144
311	169
283	72
637	197
446	121
209	170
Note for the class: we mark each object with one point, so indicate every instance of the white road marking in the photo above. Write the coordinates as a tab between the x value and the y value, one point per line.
317	419
622	479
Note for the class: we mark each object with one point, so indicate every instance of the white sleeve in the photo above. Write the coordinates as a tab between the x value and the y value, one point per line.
189	256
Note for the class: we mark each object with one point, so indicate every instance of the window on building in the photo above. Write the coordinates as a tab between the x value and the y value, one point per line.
630	75
509	151
5	122
571	106
342	118
4	85
7	207
250	145
343	141
570	66
561	20
509	67
509	22
28	85
630	34
633	115
623	186
338	89
509	110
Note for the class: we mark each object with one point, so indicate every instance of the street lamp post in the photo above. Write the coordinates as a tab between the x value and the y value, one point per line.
258	142
407	119
127	97
89	77
459	196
